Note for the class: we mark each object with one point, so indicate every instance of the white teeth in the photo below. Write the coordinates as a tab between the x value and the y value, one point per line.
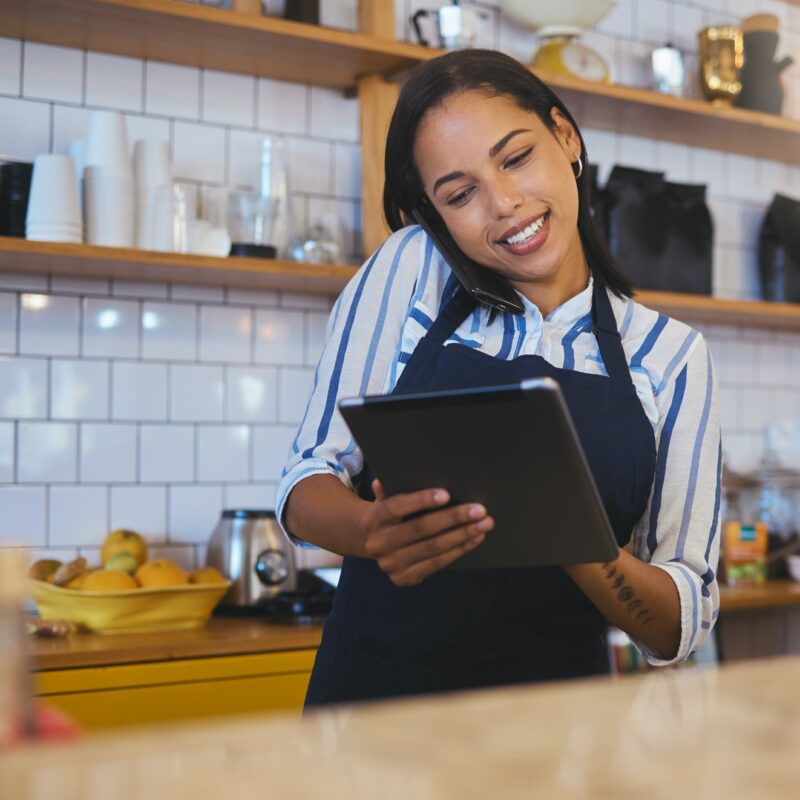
526	234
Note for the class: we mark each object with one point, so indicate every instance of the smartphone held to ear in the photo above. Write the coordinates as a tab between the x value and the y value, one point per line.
480	282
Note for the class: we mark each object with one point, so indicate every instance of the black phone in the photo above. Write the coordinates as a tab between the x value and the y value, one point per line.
480	282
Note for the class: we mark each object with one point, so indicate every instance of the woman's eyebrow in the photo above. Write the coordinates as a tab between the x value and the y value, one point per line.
493	151
496	148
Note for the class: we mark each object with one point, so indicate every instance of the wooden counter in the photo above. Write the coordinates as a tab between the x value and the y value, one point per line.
231	666
772	594
220	637
241	636
730	732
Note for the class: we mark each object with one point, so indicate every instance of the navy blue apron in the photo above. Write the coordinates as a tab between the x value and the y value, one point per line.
474	628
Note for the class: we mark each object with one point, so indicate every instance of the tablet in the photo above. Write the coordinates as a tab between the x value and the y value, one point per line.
513	448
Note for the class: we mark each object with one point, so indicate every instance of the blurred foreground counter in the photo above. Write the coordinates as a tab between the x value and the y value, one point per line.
237	665
732	732
230	666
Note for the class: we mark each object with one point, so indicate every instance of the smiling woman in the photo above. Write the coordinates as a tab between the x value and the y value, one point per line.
487	156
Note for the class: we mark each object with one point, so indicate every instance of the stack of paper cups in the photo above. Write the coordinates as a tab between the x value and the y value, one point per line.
108	182
153	171
77	152
54	213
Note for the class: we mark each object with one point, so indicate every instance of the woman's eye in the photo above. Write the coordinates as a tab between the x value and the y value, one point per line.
460	197
514	160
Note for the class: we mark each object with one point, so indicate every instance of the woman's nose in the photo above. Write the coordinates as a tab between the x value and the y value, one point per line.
505	197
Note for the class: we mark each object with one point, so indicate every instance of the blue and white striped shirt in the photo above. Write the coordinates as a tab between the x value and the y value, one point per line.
390	304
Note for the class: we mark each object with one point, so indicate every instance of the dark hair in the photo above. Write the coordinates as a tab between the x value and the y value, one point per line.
491	71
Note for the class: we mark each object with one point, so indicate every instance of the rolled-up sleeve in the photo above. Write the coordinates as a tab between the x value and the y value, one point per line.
362	342
679	531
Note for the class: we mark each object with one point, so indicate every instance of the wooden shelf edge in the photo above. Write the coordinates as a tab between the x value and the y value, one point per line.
81	260
302	31
772	594
715	310
688	121
684	105
211	38
77	260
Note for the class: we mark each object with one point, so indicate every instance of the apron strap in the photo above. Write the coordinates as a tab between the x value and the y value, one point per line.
604	327
456	310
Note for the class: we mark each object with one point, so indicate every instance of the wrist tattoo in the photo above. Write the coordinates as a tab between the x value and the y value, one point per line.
626	594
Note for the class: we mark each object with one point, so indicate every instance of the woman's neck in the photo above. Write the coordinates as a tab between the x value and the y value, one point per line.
548	295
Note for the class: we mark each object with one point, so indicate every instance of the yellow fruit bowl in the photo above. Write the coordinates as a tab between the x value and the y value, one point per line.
143	610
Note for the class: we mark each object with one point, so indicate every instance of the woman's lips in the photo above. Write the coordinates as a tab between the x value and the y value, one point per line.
532	244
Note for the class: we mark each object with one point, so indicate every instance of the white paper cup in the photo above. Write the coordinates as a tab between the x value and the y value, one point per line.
107	146
54	192
68	229
109	210
146	197
77	152
50	236
151	163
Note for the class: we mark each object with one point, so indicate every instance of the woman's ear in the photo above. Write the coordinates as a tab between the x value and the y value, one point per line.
566	134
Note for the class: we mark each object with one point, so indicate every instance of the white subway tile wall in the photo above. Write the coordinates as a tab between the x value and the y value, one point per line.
6	452
8	323
229	99
140	508
108	453
79	389
167	453
138	391
52	73
114	82
172	90
153	406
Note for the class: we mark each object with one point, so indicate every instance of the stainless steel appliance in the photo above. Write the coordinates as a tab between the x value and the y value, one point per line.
456	24
249	547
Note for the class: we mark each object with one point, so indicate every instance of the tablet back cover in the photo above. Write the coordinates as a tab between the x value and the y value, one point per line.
514	449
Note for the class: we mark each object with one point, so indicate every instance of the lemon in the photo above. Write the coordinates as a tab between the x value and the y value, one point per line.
124	541
161	572
108	580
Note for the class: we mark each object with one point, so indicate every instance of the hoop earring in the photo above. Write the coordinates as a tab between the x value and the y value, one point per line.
580	168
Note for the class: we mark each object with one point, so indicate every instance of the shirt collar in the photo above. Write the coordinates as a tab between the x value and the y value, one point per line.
565	315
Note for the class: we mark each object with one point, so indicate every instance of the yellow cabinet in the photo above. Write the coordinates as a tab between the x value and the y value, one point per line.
127	694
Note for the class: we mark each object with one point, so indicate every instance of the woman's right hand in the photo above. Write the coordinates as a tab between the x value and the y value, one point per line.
409	550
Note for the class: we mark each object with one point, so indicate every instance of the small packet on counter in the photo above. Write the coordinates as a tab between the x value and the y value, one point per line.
744	553
49	628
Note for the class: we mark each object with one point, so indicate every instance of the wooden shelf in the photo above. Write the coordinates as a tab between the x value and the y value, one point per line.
626	109
698	308
201	36
82	260
87	261
772	594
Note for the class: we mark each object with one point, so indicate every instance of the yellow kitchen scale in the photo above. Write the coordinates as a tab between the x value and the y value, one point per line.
558	26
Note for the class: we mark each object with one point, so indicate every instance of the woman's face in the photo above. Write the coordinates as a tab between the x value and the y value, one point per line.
503	184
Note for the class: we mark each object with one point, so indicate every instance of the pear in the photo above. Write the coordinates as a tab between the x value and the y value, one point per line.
124	562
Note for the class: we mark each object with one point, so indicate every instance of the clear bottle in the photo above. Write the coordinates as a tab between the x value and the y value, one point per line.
16	701
275	186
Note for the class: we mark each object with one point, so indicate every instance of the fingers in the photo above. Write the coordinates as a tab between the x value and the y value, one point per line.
390	537
409	550
435	523
402	505
416	573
